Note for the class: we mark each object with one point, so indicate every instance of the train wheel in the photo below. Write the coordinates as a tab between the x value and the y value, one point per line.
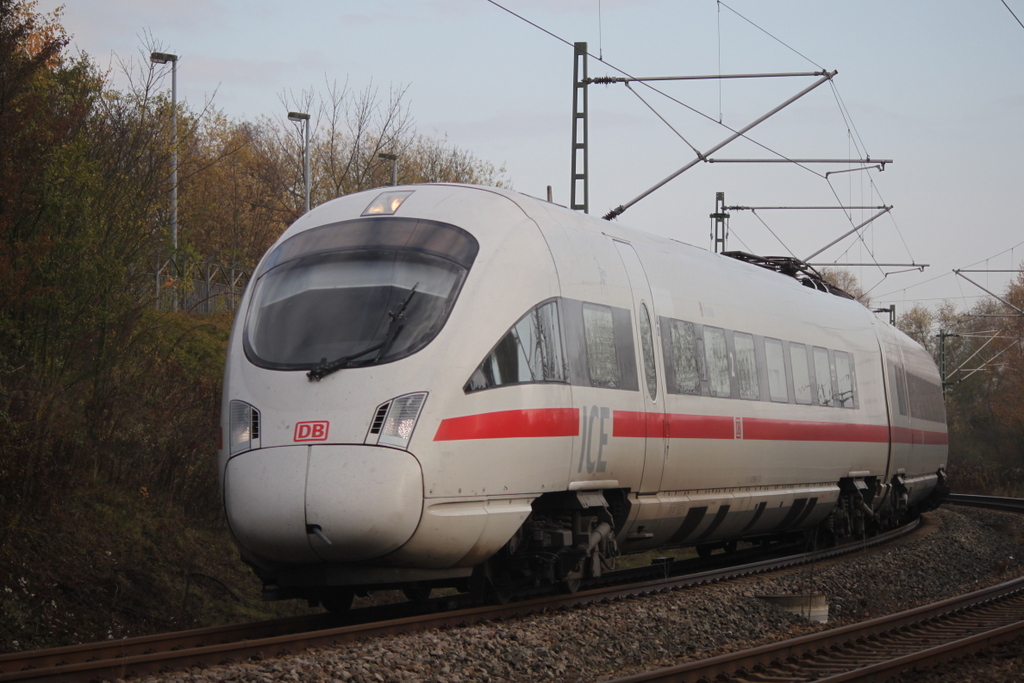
502	596
338	601
824	537
486	588
572	581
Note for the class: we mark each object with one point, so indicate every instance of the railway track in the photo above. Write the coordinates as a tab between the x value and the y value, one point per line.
213	646
871	650
987	502
879	648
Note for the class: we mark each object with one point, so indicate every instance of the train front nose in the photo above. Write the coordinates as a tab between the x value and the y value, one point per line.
296	504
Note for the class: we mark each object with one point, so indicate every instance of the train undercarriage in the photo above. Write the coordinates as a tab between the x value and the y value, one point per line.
571	537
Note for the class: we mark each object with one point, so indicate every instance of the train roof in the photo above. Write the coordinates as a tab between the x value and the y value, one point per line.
763	269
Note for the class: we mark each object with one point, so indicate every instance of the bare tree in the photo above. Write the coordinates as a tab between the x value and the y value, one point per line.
843	279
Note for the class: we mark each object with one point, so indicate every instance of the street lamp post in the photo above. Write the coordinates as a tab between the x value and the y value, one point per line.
299	116
163	58
393	158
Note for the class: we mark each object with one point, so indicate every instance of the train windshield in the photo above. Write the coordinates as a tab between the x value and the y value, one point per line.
357	293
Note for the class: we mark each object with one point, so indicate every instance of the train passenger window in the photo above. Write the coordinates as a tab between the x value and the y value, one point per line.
599	334
746	366
823	377
702	363
801	374
681	357
647	341
717	361
896	379
926	400
844	379
775	359
530	352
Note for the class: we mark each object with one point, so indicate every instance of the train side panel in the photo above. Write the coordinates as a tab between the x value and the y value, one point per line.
917	414
735	465
487	454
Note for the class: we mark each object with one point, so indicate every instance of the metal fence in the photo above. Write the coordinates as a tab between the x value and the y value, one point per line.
199	286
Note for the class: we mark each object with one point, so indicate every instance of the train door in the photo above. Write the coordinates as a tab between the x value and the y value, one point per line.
646	334
896	394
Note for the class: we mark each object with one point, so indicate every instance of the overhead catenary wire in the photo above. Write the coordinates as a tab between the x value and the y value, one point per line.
644	81
776	39
736	134
801	162
984	289
987	364
768	228
844	111
663	120
855	137
856	229
931	298
1008	250
1012	13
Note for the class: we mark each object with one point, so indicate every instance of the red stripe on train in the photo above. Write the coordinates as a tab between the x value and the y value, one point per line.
507	424
635	424
631	424
919	437
791	430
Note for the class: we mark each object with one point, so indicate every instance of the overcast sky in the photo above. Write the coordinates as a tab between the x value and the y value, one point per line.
937	86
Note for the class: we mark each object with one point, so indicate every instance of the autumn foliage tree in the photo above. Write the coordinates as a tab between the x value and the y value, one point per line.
1010	409
234	198
241	182
46	327
106	375
980	353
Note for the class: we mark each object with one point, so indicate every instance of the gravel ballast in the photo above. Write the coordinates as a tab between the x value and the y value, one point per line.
961	549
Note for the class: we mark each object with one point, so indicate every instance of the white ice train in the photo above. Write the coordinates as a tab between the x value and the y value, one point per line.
440	384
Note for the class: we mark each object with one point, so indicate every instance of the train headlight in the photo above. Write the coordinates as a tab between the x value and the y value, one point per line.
401	420
244	427
387	203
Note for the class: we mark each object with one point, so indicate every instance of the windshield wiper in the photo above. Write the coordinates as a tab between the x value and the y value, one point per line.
324	368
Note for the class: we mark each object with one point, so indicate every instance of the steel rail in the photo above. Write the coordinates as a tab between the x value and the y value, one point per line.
792	651
762	660
12	662
153	654
987	502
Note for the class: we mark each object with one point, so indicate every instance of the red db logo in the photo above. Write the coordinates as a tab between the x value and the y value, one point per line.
311	431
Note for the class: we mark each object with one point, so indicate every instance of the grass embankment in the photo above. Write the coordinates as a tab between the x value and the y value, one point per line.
108	564
112	525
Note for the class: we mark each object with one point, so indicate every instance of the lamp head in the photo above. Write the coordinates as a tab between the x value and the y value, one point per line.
162	57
